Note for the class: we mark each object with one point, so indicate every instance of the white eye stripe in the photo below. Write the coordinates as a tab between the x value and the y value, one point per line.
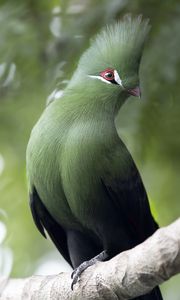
100	78
117	78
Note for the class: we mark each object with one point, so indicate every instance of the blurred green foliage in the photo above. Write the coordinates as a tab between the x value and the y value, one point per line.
41	42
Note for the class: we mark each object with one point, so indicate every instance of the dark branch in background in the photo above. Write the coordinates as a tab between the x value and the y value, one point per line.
130	274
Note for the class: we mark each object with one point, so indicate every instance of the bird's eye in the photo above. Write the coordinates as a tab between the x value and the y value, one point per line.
107	74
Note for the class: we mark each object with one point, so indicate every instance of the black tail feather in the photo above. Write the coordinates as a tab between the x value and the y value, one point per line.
44	220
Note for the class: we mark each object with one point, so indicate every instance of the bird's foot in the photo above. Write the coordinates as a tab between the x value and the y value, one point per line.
78	271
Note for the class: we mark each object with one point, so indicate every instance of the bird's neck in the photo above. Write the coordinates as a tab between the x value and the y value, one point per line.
102	104
93	122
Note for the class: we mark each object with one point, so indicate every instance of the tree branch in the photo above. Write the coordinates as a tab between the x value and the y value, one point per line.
130	274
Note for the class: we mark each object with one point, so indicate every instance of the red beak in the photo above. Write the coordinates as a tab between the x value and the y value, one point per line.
135	92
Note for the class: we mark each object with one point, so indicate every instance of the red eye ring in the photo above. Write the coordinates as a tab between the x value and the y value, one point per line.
107	74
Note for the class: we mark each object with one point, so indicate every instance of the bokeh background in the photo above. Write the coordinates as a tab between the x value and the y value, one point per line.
40	44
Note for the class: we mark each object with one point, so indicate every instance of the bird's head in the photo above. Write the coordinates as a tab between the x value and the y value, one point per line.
111	64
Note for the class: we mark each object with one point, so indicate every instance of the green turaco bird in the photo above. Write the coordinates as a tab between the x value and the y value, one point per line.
85	189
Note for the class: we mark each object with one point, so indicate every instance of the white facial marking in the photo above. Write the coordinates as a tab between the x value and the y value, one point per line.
117	78
100	78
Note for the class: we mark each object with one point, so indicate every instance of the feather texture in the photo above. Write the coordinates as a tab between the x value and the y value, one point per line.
85	188
118	46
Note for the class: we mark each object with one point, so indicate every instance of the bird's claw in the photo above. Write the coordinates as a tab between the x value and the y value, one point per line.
79	270
72	274
75	276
